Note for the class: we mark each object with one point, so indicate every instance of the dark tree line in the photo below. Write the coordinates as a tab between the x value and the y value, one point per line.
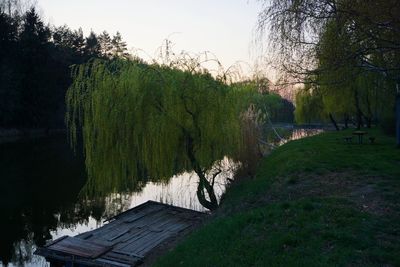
284	112
35	61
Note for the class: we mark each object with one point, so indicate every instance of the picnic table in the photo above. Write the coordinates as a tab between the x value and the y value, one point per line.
360	135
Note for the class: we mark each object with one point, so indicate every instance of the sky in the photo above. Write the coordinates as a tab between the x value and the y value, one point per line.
223	27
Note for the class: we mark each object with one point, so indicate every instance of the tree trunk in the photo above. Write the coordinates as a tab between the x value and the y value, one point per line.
368	120
398	117
346	121
358	110
334	122
205	186
369	116
9	8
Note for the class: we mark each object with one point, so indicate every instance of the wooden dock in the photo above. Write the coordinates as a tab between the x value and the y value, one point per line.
126	240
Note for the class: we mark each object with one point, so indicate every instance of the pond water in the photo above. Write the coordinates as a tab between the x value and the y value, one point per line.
40	184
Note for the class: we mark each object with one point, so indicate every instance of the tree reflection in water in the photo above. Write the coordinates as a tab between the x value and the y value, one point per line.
39	179
41	198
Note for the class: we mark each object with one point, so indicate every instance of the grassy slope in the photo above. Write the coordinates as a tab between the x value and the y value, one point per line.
314	202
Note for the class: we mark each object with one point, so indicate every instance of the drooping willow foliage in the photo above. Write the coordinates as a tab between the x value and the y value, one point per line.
143	122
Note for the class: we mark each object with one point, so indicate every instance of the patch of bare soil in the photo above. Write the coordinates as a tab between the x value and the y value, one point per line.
361	190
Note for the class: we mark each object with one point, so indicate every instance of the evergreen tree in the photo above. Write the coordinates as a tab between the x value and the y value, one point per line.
33	64
105	45
9	94
78	43
119	47
92	47
62	37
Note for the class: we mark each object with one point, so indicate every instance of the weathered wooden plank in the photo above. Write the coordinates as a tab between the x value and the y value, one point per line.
56	241
104	229
145	247
122	257
136	247
124	240
86	235
163	220
131	217
149	205
105	262
118	230
117	254
101	242
168	224
118	235
114	234
145	240
134	241
79	247
152	218
111	233
178	227
49	254
135	244
138	238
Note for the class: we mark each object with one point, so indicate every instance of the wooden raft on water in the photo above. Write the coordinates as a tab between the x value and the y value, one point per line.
126	240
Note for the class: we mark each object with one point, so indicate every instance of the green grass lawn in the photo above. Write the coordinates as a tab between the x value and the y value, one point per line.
318	201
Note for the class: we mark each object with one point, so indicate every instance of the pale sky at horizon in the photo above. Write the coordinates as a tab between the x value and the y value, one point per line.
223	27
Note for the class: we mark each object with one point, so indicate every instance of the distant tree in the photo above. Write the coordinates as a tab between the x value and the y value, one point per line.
33	64
309	106
119	49
287	112
9	93
92	47
78	42
63	41
271	103
62	37
15	8
105	44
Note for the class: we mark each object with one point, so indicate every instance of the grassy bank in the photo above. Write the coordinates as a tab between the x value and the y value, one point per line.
318	201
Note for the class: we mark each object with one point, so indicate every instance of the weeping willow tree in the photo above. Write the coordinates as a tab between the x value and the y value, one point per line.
347	89
143	123
357	43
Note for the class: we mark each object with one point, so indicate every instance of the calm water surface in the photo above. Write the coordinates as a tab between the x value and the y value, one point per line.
40	184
